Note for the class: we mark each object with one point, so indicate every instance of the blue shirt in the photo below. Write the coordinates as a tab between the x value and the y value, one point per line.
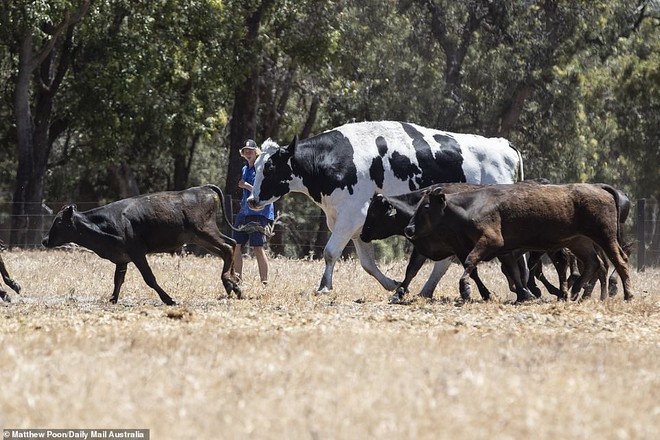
248	174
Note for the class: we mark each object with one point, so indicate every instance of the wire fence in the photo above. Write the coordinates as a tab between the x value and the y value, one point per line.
301	230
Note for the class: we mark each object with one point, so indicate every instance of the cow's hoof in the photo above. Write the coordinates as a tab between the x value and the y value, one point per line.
396	299
170	303
628	297
324	291
525	298
426	295
612	289
391	284
4	297
536	292
238	292
113	301
15	286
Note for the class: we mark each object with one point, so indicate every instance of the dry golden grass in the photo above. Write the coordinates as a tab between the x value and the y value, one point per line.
285	363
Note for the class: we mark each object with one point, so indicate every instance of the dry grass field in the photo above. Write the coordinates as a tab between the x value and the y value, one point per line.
286	363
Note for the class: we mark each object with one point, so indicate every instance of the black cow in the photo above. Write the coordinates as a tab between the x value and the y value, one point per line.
127	230
486	223
7	279
388	216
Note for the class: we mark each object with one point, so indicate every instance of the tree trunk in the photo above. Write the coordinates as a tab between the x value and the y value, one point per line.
47	66
243	126
125	179
653	249
455	48
243	123
34	143
311	117
183	163
514	108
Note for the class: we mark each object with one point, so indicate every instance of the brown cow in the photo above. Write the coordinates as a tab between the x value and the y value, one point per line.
8	281
127	230
483	224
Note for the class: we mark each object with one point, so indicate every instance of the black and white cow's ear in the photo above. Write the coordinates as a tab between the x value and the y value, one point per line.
292	146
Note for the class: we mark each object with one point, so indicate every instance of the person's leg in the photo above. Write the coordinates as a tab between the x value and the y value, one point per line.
257	241
262	262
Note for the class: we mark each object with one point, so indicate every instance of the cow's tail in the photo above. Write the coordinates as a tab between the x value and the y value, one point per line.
247	228
627	247
521	171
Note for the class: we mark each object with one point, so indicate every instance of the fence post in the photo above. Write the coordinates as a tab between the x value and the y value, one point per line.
641	234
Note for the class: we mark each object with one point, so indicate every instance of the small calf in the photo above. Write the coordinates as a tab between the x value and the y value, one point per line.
127	230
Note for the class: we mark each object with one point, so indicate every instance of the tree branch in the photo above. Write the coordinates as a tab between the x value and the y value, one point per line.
55	33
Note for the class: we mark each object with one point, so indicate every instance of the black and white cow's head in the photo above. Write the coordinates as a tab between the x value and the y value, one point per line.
274	173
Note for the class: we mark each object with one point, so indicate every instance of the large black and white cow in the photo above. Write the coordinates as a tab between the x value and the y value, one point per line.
342	168
127	230
498	219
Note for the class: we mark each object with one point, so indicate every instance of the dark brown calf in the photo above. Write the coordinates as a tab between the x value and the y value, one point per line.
489	222
127	230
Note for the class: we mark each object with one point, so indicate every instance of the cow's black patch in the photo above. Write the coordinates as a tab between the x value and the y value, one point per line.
381	143
325	163
377	170
443	166
404	169
277	175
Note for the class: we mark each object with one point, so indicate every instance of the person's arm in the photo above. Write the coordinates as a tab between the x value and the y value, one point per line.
243	184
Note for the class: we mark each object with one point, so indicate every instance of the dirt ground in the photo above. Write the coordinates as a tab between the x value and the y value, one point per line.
286	363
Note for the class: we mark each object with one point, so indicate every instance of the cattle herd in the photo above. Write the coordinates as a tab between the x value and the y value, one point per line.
454	196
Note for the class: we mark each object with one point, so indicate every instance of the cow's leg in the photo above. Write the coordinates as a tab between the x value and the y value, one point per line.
367	258
469	264
120	274
574	265
485	246
613	284
599	275
415	263
535	267
483	290
511	264
559	262
7	279
331	253
140	262
590	264
215	241
439	269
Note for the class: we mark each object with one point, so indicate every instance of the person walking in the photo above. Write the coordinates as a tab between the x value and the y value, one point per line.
266	216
